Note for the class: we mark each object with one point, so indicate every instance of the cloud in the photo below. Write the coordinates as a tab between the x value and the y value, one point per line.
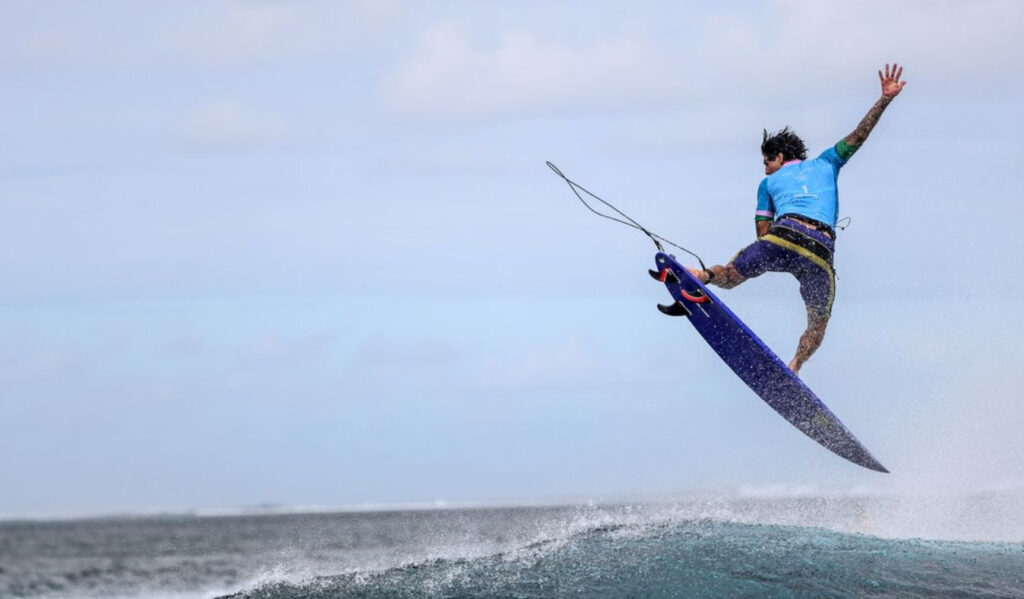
804	47
23	363
113	34
242	32
791	51
568	363
381	355
226	124
276	351
446	74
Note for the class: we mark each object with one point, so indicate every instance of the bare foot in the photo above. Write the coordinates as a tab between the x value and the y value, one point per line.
793	366
700	275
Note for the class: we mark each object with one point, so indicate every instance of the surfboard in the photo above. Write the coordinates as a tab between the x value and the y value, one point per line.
756	364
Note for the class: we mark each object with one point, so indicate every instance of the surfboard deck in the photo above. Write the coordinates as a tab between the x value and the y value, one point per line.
757	365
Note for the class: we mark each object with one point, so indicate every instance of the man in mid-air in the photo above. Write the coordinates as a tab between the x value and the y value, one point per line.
797	208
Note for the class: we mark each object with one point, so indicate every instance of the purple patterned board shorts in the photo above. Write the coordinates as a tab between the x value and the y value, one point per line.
793	247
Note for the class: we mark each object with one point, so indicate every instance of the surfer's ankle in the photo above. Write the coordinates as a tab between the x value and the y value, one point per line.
702	275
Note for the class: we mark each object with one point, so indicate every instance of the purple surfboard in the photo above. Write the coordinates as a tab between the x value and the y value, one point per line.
757	365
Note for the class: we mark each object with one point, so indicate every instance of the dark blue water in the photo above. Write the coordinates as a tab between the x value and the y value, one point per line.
590	551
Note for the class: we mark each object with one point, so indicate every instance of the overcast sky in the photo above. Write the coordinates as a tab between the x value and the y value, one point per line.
309	253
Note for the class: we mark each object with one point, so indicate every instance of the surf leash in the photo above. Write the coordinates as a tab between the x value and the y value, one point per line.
625	220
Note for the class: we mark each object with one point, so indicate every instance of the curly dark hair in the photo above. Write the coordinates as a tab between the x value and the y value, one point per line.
786	142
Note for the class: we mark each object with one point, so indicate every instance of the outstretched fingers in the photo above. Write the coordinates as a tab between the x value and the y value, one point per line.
892	72
890	80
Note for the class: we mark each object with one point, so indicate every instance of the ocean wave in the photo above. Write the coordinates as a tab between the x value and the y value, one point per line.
776	543
697	558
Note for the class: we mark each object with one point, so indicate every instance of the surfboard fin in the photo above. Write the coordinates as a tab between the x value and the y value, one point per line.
665	276
676	309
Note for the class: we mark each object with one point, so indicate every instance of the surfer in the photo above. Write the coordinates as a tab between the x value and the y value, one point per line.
797	207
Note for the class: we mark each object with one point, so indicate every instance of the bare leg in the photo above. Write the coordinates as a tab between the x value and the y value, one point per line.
725	277
810	340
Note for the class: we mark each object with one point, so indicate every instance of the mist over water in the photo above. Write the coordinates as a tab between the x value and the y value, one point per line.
786	542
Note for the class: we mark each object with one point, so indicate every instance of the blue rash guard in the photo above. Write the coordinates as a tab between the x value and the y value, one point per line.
806	188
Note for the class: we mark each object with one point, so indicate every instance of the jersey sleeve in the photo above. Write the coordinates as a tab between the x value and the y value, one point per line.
765	205
839	154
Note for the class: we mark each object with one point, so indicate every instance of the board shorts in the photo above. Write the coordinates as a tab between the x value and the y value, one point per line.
793	247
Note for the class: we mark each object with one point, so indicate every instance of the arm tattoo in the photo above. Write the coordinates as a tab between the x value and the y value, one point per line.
860	134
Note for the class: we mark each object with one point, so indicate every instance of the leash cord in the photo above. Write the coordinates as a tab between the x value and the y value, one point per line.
625	220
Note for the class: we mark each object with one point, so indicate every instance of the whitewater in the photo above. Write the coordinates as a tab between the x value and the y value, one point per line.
740	543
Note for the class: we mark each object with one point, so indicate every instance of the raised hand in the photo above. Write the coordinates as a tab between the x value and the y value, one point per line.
891	84
891	87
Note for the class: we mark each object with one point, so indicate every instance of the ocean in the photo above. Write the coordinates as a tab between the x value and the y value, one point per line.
737	547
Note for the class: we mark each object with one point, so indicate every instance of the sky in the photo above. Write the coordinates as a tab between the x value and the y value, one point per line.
309	253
